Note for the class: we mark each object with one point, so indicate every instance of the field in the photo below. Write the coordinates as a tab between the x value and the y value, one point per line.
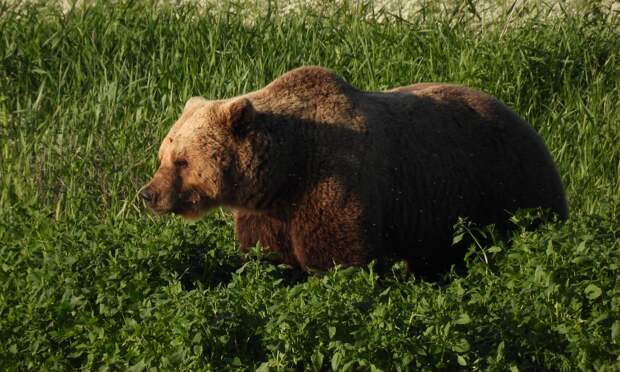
90	280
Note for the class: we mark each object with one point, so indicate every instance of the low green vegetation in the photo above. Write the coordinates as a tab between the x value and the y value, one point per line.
89	279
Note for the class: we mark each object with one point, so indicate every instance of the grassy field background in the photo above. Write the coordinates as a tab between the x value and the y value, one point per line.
88	279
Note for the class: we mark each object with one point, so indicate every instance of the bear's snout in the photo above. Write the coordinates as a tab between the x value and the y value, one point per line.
161	193
152	198
160	201
148	195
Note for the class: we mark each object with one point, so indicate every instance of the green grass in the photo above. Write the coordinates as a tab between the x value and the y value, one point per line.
88	279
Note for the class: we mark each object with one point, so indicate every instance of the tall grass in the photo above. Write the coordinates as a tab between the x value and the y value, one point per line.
89	279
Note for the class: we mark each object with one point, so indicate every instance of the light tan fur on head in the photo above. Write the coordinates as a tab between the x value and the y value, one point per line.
197	158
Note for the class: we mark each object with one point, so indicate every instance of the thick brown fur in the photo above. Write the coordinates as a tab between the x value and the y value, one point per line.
323	173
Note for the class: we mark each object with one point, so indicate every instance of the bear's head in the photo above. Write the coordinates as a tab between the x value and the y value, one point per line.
203	159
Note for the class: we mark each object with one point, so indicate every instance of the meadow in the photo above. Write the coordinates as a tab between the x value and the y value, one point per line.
89	279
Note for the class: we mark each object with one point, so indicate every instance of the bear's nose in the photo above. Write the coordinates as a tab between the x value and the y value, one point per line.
147	194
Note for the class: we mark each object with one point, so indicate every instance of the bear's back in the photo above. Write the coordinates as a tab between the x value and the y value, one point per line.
507	152
446	151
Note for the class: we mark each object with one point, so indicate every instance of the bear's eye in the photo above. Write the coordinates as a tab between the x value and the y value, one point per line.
180	163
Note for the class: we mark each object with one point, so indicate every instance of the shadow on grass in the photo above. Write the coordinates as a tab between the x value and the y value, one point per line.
207	267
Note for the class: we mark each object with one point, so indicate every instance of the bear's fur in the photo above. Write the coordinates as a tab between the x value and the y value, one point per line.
323	173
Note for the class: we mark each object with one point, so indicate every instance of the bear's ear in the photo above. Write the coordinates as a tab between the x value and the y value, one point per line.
240	116
193	103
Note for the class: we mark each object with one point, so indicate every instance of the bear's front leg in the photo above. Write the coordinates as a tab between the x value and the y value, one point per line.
253	228
328	228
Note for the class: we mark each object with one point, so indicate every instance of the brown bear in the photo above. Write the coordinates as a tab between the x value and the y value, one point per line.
323	173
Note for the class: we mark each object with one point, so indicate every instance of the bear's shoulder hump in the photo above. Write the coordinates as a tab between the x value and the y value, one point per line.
308	79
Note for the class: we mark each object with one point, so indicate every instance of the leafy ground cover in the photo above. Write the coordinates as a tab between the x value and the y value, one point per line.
89	280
